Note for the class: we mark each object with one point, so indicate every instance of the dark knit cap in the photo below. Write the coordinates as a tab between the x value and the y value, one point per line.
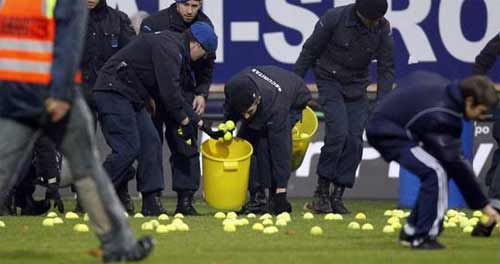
372	9
242	93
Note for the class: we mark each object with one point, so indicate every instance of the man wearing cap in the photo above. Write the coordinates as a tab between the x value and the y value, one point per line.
144	72
184	159
344	43
269	101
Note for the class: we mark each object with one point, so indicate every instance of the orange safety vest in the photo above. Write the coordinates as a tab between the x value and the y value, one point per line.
27	34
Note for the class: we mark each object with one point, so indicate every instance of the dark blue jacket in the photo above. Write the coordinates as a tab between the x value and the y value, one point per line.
426	109
26	102
342	48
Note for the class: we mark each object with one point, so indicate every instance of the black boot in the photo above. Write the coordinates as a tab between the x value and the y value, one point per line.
34	208
141	250
124	196
257	204
279	204
320	203
151	204
8	208
338	206
185	203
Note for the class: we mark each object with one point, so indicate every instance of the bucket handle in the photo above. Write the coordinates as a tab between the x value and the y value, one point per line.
230	165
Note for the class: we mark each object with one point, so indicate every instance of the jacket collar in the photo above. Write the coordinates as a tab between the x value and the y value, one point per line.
352	19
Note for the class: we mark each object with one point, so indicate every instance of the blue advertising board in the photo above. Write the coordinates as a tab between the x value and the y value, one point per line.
439	35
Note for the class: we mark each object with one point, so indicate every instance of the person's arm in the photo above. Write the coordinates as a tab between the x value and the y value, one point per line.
385	63
316	43
488	56
167	65
127	32
441	138
70	17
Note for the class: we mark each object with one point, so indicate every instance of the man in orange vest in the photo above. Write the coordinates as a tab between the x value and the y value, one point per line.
40	46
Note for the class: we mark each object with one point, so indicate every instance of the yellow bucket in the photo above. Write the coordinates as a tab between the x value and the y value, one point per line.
302	134
226	169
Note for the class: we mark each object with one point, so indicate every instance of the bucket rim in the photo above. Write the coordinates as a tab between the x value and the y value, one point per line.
314	130
204	154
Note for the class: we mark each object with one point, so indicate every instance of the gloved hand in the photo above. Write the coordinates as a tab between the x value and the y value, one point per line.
207	128
187	132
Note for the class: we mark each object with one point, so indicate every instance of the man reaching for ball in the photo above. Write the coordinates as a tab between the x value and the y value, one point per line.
269	101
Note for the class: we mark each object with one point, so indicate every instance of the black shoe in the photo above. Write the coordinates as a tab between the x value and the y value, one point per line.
35	208
185	203
8	208
140	251
405	239
257	204
426	244
152	205
125	199
336	201
320	203
482	230
279	204
78	207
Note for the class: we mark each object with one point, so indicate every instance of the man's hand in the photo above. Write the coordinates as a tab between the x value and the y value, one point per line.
199	104
207	128
493	215
57	109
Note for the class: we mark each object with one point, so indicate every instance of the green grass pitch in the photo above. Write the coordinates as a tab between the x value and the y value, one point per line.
25	241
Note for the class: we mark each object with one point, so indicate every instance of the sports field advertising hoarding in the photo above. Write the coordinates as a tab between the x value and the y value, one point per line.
439	35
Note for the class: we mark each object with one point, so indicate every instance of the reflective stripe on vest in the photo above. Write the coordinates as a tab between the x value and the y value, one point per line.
27	33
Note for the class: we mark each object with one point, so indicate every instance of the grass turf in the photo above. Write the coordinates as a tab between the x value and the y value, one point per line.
24	240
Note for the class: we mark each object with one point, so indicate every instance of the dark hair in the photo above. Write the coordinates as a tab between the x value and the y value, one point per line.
481	89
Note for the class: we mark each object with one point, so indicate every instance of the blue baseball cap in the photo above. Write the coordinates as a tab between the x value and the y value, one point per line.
205	35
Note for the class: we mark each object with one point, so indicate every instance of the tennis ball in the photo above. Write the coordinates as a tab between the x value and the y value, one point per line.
244	221
58	221
86	217
388	213
163	217
222	127
485	219
228	136
284	216
367	227
353	226
189	142
81	228
52	214
138	215
468	229
392	220
308	216
251	215
230	125
338	217
267	222
232	215
183	228
280	222
397	225
258	227
477	214
170	227
220	215
452	224
147	226
154	222
388	229
406	214
451	213
329	216
473	221
270	230
229	228
2	224
48	222
179	216
316	231
398	213
360	216
228	221
71	215
177	222
162	229
265	216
